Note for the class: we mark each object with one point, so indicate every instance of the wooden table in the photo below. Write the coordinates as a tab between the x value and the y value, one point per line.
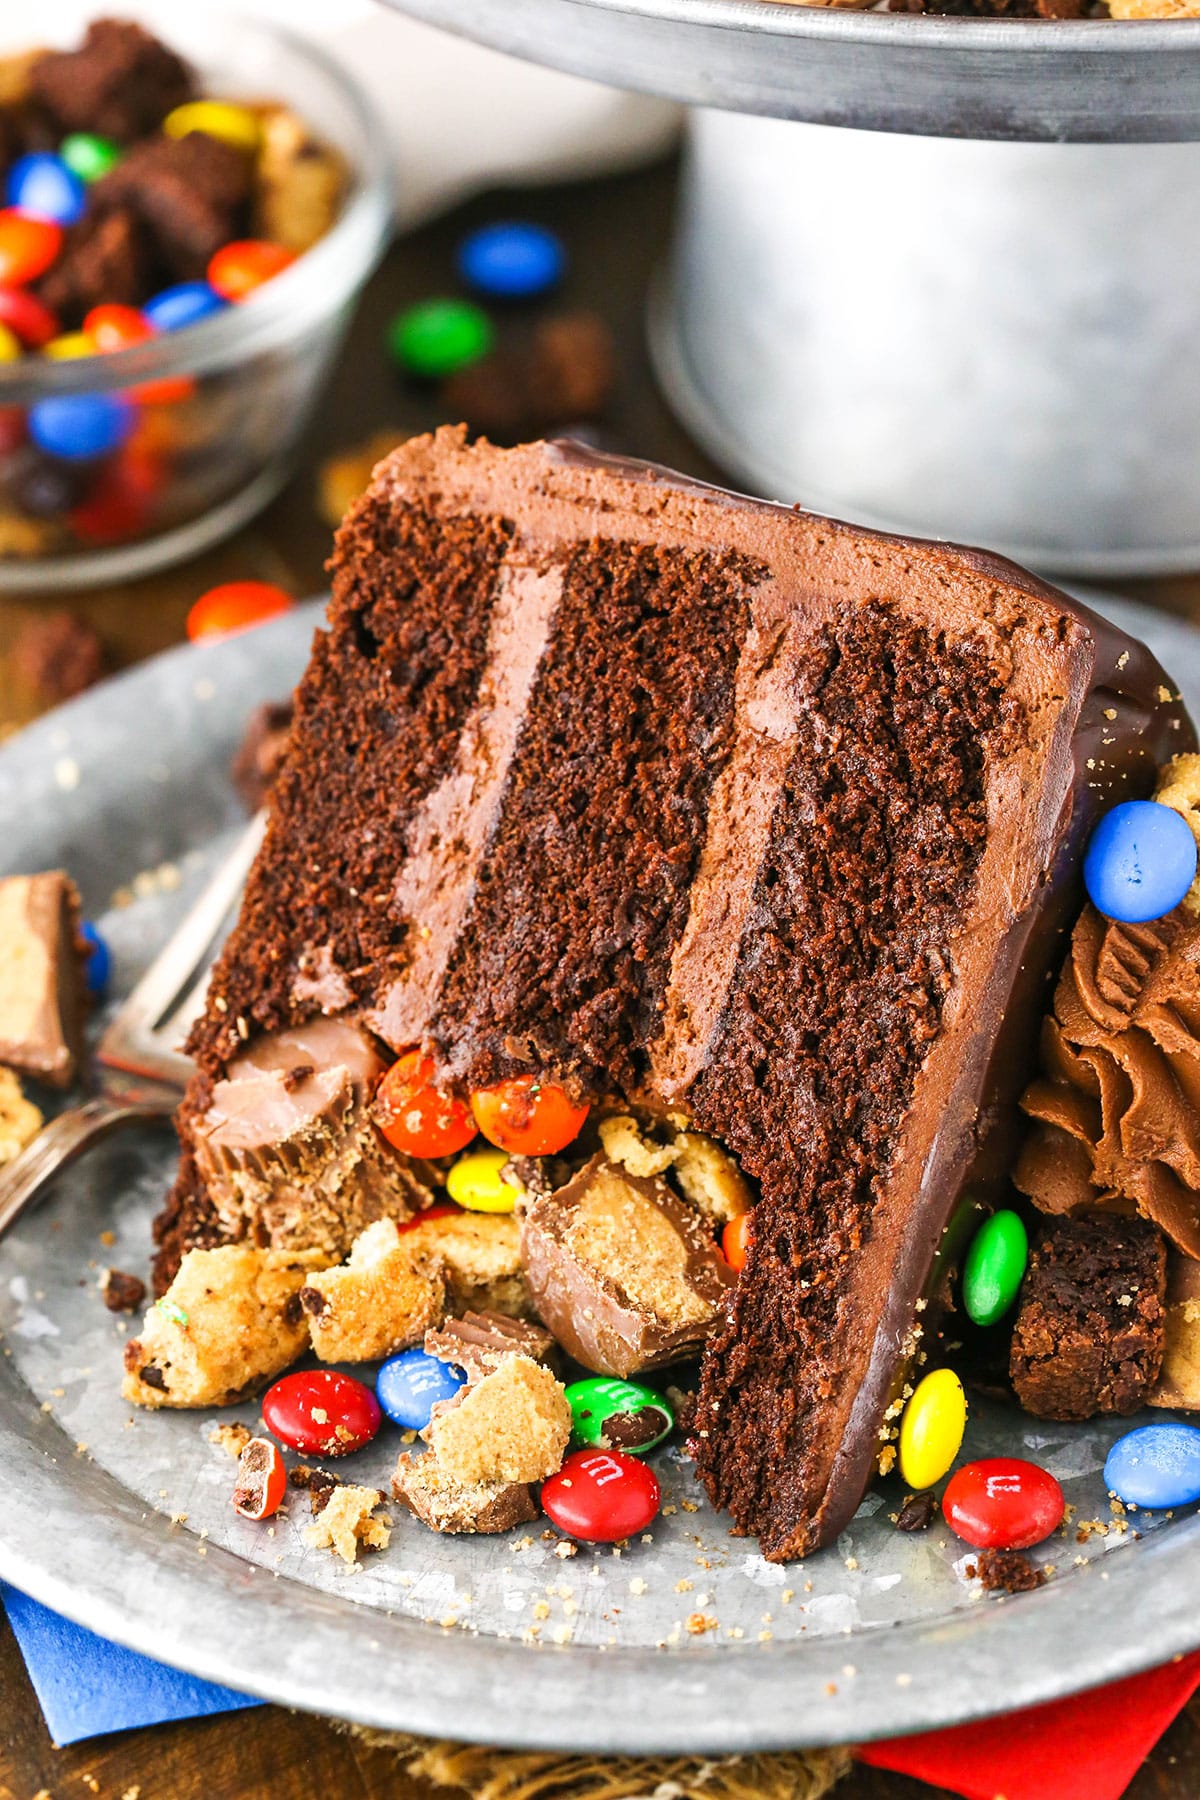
615	231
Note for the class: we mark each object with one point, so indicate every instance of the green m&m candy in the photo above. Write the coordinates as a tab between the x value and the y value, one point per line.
618	1415
994	1266
439	337
89	156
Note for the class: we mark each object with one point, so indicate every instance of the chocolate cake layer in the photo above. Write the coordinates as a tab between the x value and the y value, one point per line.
684	799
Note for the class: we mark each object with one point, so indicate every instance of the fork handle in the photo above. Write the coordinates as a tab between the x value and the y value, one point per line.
58	1143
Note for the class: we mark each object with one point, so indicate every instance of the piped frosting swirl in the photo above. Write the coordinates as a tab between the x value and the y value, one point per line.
1116	1108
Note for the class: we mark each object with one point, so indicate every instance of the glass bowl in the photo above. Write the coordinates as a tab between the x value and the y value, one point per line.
212	447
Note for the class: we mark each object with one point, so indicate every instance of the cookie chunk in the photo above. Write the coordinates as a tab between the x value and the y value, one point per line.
385	1298
227	1324
513	1425
120	83
286	1150
299	182
480	1254
42	995
20	1119
626	1275
347	1523
1090	1327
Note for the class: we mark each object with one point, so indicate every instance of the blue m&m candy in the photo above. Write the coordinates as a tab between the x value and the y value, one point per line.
512	261
187	304
80	427
409	1386
44	187
1140	862
98	967
1155	1466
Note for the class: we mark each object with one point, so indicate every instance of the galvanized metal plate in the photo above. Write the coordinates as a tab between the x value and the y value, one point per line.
1083	81
122	1519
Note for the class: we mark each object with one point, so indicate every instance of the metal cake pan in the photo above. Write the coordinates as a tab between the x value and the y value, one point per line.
1070	81
494	1640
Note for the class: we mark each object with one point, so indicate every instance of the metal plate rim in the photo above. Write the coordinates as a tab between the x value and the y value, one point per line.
72	1536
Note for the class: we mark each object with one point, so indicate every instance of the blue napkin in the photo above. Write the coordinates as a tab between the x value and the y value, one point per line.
86	1686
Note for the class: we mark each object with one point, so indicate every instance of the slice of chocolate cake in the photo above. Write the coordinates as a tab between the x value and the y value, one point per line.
727	814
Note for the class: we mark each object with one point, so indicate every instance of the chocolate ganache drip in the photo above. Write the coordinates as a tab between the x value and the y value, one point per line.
1117	1106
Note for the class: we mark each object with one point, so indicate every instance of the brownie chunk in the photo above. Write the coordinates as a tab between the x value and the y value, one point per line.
105	257
188	193
120	83
58	655
122	1292
565	373
1006	1572
1090	1329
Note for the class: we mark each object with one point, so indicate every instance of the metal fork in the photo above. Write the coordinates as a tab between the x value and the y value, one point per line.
141	1070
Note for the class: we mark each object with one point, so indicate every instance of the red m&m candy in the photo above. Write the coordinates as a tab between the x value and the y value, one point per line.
602	1496
321	1412
30	318
1003	1503
27	247
238	268
113	327
236	606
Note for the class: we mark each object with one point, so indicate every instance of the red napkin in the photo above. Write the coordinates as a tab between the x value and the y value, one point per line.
1089	1747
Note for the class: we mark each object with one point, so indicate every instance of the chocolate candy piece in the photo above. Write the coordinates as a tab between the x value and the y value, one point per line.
41	977
1140	862
931	1430
618	1415
42	186
478	1342
602	1496
512	260
625	1275
409	1386
321	1412
439	337
445	1504
80	427
187	304
89	155
1155	1466
1005	1503
994	1266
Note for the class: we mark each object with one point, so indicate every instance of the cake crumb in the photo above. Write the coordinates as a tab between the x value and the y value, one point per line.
346	1522
231	1438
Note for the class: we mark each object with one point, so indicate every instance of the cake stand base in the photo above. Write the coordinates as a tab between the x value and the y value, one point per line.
980	340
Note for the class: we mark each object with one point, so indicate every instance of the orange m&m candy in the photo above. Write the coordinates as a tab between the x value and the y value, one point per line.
114	327
238	268
417	1117
527	1117
27	246
735	1241
236	606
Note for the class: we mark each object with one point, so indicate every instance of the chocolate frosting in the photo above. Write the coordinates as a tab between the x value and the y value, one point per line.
1117	1106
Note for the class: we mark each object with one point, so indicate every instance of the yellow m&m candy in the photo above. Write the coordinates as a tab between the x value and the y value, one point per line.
931	1431
10	344
70	345
474	1181
235	125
